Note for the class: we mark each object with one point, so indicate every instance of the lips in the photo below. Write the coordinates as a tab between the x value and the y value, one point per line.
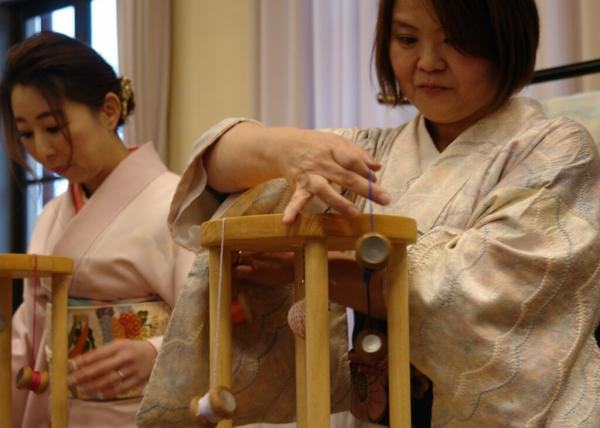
430	86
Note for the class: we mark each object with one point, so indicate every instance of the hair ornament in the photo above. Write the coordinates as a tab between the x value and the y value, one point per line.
126	94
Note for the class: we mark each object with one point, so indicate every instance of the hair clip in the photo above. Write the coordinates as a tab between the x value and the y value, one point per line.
126	94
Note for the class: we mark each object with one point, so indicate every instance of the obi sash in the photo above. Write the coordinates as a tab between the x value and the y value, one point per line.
92	324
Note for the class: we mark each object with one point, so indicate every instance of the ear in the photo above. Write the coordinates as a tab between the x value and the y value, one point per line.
111	110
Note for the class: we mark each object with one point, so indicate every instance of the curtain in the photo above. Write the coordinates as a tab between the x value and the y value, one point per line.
315	69
314	65
144	29
568	35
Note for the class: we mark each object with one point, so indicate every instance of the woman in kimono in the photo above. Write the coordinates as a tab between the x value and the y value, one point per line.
504	278
62	105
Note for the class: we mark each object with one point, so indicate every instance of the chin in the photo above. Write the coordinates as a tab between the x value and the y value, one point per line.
441	117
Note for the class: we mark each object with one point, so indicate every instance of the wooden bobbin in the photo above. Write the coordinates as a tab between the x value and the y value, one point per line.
214	406
371	345
32	380
295	318
373	251
240	309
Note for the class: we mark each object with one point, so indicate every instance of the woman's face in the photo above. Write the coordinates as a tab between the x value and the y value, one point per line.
449	88
94	151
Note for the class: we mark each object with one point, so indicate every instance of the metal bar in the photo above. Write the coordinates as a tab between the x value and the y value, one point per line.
566	71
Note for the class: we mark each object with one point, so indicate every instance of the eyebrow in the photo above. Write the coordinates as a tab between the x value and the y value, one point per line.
401	24
39	116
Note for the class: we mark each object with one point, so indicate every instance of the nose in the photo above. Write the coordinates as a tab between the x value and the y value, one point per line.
44	150
431	59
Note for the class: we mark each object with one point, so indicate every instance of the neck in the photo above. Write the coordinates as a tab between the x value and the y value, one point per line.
442	135
112	160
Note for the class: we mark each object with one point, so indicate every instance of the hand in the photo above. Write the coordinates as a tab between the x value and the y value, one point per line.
313	160
117	367
264	268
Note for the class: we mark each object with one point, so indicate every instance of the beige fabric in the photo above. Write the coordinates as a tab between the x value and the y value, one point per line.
263	350
583	108
504	280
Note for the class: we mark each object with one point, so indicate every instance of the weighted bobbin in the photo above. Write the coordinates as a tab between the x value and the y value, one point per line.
214	406
371	345
373	251
32	380
295	318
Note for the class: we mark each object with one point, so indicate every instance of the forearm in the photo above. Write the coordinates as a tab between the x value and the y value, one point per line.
246	155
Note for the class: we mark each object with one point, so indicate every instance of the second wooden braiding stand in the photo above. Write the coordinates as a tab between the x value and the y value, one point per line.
311	236
14	266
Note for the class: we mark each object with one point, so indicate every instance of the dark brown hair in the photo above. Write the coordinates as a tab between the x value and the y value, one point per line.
60	68
505	32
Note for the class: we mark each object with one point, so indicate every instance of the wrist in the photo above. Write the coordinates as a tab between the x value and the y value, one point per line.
155	343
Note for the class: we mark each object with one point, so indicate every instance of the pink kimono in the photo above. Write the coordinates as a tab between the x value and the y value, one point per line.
123	250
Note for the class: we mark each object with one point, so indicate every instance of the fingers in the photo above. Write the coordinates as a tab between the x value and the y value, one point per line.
99	361
331	161
264	268
355	159
112	369
112	384
359	185
300	198
308	186
99	375
128	383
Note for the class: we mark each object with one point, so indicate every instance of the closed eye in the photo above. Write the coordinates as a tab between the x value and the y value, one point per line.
406	40
22	135
53	129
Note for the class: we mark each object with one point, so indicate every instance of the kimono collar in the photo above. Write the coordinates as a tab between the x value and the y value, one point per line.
428	152
423	185
78	196
118	190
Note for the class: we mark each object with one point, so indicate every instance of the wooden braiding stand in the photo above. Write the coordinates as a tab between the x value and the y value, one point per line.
311	236
25	266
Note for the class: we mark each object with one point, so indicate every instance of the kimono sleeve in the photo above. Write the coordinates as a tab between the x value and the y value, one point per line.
503	312
194	202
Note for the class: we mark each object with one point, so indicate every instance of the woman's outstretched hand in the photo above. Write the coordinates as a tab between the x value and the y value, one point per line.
117	367
314	163
320	160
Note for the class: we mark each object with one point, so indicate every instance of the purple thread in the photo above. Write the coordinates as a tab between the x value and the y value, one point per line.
371	217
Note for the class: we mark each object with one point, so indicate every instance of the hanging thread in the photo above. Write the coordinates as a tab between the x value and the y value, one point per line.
219	402
370	195
213	374
36	280
372	254
28	377
368	272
